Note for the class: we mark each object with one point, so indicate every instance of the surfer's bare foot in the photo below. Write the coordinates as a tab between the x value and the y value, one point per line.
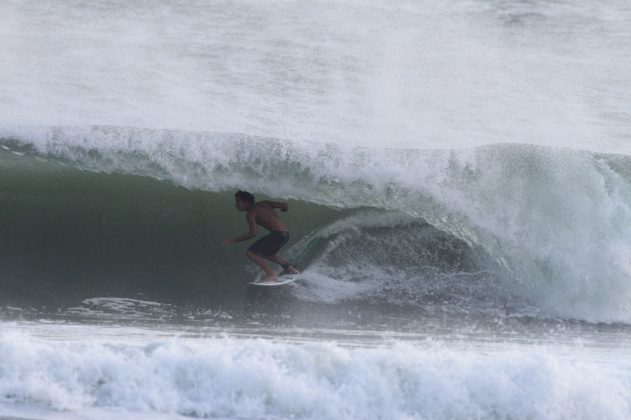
268	279
290	270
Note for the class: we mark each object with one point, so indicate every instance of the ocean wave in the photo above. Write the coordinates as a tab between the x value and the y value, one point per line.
549	226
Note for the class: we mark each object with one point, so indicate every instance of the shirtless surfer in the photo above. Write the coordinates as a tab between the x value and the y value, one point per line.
262	213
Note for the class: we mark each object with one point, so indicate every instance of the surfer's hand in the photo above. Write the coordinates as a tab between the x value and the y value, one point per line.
228	241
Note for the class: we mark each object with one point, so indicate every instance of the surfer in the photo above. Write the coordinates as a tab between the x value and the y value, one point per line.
262	213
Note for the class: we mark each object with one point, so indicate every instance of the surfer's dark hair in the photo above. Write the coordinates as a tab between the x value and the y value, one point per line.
245	196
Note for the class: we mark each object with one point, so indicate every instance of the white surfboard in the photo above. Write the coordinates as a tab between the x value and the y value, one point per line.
282	280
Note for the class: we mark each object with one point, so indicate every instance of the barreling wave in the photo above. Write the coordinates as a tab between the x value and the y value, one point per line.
115	210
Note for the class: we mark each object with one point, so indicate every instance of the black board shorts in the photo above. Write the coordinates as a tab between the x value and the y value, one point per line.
270	244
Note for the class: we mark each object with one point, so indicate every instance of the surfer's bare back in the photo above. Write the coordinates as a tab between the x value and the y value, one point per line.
263	214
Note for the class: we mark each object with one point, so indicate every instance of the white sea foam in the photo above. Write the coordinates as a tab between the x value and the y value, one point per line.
259	378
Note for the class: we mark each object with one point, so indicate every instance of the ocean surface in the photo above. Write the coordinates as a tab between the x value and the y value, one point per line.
458	176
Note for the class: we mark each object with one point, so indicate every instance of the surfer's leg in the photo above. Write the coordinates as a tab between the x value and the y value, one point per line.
277	241
260	261
277	259
287	268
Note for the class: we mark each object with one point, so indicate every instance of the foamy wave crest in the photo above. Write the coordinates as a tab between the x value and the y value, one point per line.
553	225
253	378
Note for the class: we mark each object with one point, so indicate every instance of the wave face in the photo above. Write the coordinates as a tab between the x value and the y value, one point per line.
122	210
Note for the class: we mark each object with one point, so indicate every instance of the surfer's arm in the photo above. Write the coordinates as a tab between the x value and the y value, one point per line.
251	218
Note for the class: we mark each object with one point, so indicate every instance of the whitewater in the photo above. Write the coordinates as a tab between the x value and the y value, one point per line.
459	182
